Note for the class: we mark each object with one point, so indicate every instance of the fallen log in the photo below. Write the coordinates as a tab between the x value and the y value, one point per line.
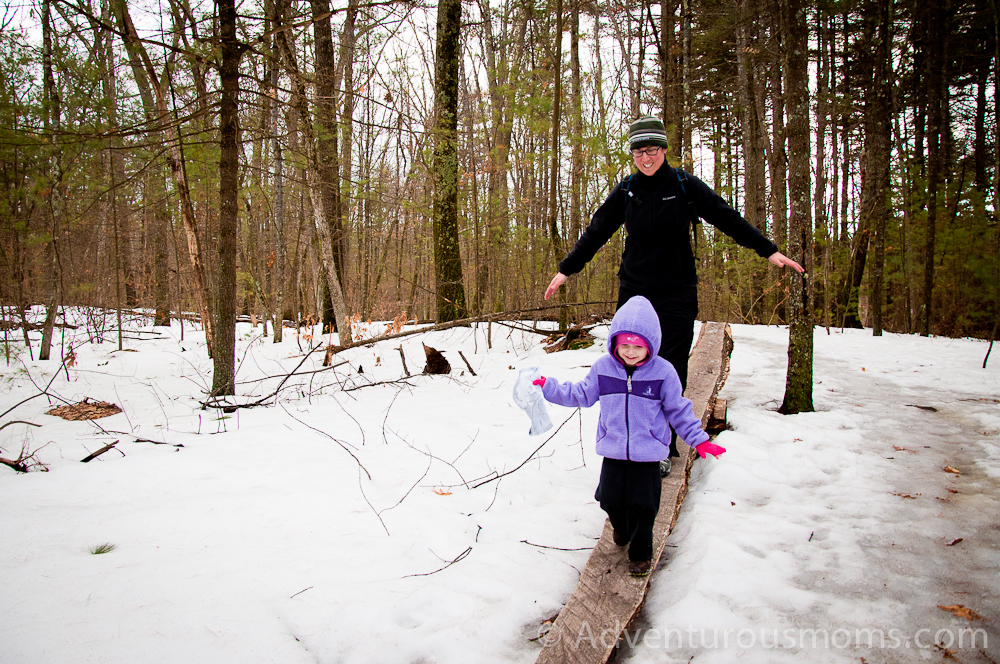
462	322
606	598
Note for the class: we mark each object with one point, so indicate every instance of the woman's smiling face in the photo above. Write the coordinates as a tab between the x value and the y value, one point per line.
649	163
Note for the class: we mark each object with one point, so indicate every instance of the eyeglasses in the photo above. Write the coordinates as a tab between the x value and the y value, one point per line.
652	151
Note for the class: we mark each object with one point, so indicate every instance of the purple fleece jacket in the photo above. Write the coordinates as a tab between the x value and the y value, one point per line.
636	409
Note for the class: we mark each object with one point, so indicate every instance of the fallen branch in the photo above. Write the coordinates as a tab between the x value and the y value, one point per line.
557	548
25	463
137	439
462	322
227	407
403	358
400	501
7	424
339	442
530	457
43	391
471	371
91	457
16	464
460	557
398	381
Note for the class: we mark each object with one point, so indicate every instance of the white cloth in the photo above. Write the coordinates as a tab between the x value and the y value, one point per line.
530	399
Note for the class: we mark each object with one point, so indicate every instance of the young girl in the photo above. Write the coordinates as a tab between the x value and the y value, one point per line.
641	398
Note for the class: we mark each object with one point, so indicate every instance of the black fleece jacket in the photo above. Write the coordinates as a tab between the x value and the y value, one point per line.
657	258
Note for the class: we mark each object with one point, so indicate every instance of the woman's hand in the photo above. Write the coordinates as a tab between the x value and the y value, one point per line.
781	260
554	285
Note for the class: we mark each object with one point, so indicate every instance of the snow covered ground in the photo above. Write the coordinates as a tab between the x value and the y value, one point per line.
370	525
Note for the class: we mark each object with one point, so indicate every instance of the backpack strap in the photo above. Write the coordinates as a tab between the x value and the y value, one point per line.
682	178
628	184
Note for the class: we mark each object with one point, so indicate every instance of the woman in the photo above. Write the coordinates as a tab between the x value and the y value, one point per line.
657	205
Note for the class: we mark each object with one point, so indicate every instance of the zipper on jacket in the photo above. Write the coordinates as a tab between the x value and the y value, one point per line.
628	436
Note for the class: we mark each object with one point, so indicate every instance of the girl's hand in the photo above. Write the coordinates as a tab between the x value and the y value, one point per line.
707	448
540	381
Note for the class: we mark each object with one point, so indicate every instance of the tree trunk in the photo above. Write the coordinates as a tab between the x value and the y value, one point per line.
670	77
447	260
554	237
161	280
996	106
345	65
51	121
979	143
576	135
326	128
822	116
751	125
501	72
798	382
319	212
778	160
278	297
935	89
145	76
224	357
877	146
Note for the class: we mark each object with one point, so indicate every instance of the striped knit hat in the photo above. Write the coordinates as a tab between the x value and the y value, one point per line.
646	131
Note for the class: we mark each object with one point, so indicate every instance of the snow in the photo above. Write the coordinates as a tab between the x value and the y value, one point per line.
368	525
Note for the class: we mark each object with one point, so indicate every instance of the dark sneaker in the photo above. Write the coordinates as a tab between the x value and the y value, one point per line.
665	467
640	568
620	539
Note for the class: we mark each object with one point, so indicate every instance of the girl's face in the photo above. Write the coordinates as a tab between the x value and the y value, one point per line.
631	354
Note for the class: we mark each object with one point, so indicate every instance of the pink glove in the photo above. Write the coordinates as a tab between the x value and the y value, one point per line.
707	448
540	381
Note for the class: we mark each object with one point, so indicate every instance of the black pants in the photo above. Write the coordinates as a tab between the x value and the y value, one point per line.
629	491
677	315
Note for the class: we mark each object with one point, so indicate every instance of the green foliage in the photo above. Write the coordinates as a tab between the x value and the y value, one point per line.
107	547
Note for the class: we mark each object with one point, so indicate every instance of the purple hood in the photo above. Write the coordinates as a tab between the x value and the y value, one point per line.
638	317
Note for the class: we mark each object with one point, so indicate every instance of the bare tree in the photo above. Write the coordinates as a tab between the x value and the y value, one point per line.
224	357
447	260
798	380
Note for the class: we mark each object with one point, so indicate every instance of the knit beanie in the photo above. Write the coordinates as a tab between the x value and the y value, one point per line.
647	131
631	339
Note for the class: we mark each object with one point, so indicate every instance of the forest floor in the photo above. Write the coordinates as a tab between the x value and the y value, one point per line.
358	518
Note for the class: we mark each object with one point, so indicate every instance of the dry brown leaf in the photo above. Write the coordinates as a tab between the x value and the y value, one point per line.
950	469
960	611
85	410
442	493
954	542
